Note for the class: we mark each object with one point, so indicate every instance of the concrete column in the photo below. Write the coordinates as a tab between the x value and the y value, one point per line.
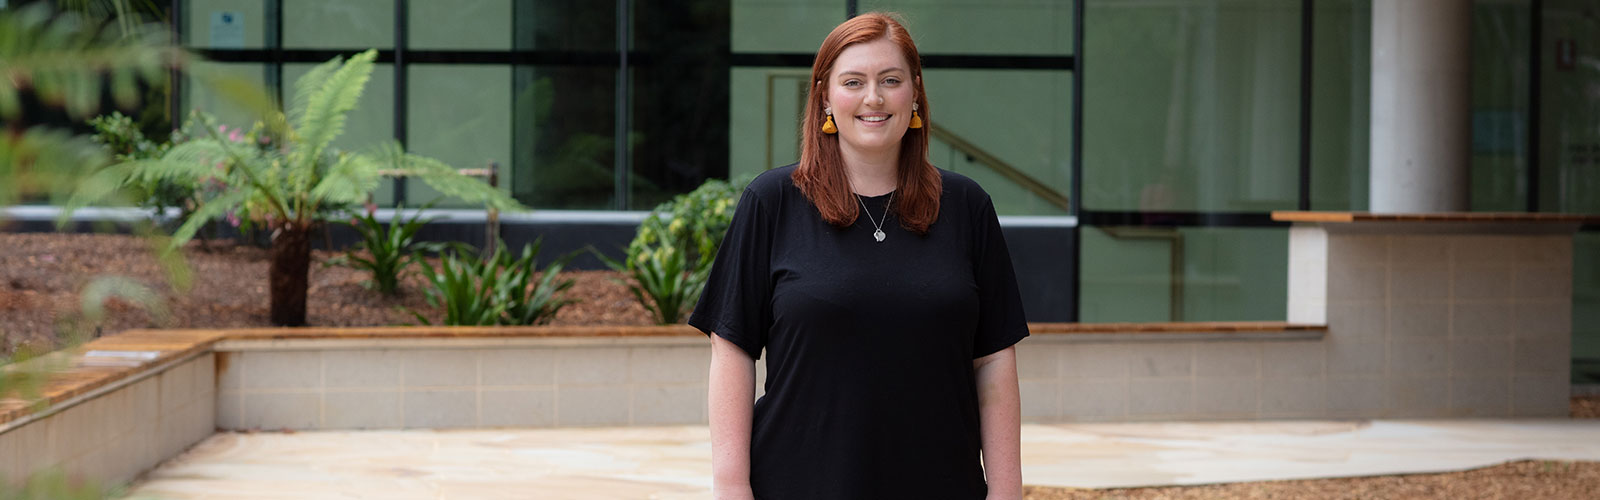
1421	131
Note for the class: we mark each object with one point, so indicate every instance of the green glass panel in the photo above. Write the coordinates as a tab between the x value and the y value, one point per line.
1013	27
1341	104
1191	106
783	26
345	24
459	24
1183	274
461	115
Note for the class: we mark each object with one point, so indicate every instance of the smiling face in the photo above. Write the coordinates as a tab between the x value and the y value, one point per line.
871	90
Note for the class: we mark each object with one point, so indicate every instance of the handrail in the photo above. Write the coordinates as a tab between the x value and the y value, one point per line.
1175	252
999	166
973	152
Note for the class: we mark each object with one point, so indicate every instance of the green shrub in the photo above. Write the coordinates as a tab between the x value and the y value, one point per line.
669	258
497	290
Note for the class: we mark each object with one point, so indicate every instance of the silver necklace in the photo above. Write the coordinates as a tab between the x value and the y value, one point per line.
877	227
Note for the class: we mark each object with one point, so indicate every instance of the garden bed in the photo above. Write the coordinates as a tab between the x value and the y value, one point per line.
41	275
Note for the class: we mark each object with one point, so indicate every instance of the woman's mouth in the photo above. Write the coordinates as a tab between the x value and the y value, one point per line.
874	119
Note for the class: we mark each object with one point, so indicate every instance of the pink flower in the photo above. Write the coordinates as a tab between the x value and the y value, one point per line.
234	136
233	219
265	139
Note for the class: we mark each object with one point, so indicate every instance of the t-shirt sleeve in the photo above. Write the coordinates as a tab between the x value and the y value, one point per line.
1000	318
736	302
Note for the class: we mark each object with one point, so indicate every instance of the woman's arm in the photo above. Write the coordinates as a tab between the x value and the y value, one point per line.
1000	414
731	398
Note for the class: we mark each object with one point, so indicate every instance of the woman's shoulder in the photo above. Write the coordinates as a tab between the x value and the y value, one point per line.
773	183
962	189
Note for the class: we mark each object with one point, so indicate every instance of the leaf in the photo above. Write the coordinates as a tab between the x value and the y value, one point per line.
327	106
214	208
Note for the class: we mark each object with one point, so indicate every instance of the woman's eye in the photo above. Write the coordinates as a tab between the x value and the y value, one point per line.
852	83
891	81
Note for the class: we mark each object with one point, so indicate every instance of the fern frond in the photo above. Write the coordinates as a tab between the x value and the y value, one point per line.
443	178
307	85
348	181
216	207
327	106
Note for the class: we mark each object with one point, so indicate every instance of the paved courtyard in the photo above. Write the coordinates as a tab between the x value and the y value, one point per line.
674	462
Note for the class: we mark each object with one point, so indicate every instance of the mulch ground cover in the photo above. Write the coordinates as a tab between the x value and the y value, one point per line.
41	276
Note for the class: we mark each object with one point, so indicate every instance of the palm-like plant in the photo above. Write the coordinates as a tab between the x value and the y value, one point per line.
291	178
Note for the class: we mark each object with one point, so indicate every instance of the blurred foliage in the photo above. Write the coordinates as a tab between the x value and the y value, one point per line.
671	255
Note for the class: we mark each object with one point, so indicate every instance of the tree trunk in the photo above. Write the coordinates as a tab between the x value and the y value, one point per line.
291	261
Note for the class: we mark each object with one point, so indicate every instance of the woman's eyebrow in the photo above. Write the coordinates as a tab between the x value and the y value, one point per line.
888	70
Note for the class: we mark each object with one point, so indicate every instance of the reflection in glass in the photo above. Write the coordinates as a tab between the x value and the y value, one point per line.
345	24
679	99
461	115
1191	106
563	124
1010	130
459	25
1029	27
1183	274
1499	84
1341	104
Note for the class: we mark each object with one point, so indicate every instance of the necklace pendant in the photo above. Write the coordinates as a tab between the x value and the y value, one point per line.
878	234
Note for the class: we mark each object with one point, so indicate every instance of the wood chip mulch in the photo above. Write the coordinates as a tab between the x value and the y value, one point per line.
41	276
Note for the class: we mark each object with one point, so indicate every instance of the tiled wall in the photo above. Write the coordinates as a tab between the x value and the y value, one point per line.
608	383
114	436
1066	380
1446	324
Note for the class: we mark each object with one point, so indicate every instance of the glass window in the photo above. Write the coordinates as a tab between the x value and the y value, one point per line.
1569	146
678	98
346	24
1010	130
764	110
461	115
1192	106
459	24
1341	104
564	129
1014	27
794	26
1183	274
565	25
203	98
225	24
1499	87
1586	308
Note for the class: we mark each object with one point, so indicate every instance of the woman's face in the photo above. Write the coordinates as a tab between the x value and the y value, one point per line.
870	90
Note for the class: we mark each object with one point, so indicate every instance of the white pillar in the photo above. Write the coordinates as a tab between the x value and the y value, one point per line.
1421	130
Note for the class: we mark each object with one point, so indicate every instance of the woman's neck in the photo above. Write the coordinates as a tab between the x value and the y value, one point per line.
871	174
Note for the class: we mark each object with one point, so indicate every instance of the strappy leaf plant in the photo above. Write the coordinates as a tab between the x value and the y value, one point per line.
291	179
386	252
500	289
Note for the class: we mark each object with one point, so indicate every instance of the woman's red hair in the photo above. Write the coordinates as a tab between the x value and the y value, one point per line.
821	174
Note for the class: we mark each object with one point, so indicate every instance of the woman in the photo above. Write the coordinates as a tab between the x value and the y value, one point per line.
882	292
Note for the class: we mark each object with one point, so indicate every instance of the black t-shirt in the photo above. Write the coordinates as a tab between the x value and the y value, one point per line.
870	391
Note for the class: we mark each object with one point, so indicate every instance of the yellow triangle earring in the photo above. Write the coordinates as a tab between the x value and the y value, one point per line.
916	120
827	126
